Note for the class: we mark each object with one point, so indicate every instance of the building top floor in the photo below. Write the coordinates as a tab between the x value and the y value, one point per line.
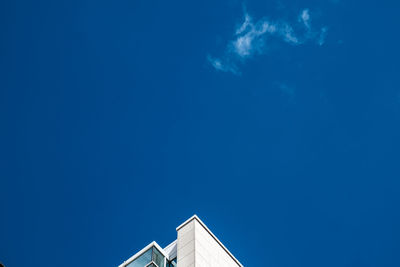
195	246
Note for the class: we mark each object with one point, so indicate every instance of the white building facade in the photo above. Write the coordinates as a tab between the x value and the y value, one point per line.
196	246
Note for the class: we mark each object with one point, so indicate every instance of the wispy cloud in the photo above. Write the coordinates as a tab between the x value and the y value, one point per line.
287	33
322	35
305	18
223	66
312	34
251	39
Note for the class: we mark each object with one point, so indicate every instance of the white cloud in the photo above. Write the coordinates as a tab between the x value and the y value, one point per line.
287	32
222	66
243	45
305	18
322	35
251	38
246	23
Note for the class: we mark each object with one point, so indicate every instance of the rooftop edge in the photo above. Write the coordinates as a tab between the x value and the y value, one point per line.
195	217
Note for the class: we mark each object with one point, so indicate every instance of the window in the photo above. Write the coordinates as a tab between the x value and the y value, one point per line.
171	263
151	258
142	260
158	258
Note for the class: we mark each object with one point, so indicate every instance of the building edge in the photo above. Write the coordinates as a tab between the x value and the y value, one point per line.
195	217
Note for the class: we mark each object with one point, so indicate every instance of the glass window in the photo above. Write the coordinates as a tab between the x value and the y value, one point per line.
171	263
151	258
143	259
158	258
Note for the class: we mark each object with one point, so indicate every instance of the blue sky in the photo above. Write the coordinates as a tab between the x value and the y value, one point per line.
277	122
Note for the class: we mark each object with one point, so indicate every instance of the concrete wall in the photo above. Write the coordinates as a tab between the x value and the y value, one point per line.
185	245
198	247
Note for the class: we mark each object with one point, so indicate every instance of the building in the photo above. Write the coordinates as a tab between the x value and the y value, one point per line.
196	246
